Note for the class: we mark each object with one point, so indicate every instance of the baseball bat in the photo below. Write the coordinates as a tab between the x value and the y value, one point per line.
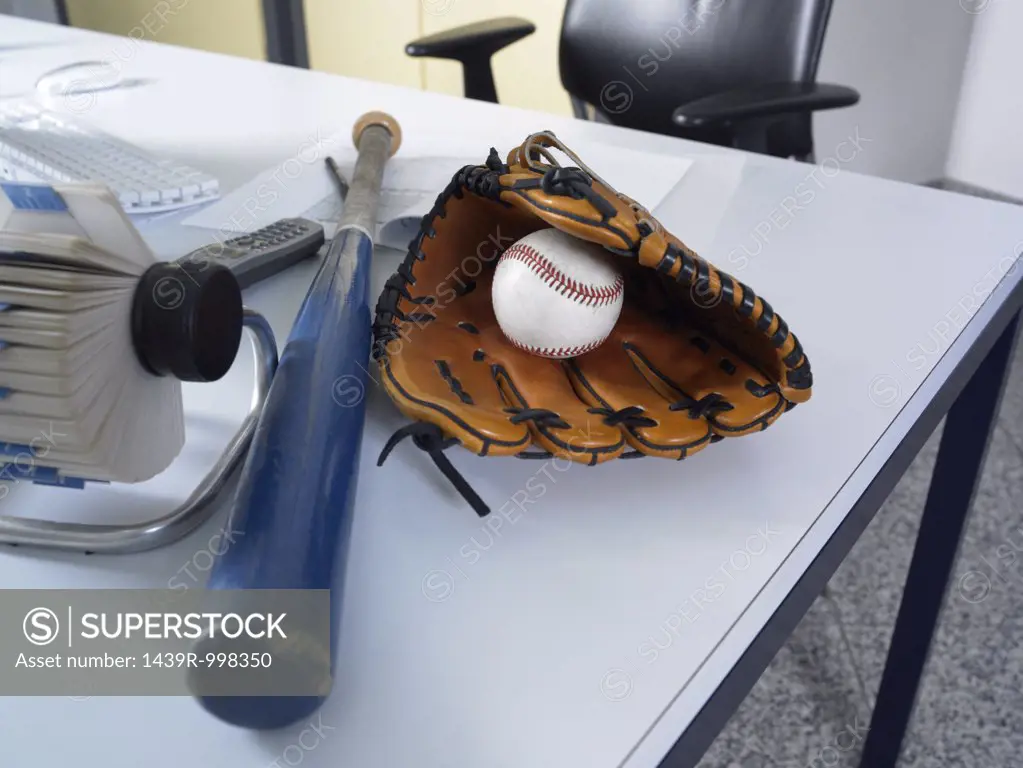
293	510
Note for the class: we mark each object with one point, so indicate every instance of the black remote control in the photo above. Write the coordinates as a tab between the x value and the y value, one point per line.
255	256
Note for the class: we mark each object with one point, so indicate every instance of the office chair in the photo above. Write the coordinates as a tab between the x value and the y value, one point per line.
737	73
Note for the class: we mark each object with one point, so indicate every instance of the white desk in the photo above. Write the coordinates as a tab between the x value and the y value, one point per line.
537	650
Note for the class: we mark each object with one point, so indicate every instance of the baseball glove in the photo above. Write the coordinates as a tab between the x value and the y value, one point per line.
695	356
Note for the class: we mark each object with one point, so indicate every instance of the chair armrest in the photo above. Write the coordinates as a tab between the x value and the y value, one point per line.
473	45
482	38
763	101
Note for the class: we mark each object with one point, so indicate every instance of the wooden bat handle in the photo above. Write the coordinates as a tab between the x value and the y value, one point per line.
376	136
381	119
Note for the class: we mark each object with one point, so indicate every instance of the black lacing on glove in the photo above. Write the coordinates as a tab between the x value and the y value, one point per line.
384	329
630	417
534	455
543	418
430	438
483	180
762	390
494	162
575	183
423	301
709	405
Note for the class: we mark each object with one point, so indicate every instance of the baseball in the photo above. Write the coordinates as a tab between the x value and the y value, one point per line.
555	295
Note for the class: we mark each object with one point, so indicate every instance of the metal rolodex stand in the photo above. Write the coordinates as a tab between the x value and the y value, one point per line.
197	508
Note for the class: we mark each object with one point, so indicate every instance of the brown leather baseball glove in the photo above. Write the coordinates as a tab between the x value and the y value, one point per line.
695	357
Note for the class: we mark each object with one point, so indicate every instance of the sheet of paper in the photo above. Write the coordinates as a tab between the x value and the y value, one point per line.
694	210
412	181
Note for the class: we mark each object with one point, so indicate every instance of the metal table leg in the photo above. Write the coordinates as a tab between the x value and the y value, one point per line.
956	475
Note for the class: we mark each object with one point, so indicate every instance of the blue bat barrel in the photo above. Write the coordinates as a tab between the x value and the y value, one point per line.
297	489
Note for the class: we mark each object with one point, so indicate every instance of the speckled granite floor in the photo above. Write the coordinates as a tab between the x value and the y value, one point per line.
811	708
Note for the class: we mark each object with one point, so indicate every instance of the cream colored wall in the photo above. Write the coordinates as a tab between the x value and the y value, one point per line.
233	27
526	72
359	38
366	38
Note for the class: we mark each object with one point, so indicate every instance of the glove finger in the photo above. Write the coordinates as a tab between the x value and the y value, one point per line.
705	378
608	379
540	394
433	376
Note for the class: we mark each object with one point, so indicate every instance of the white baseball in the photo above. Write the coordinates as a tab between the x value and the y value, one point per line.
555	295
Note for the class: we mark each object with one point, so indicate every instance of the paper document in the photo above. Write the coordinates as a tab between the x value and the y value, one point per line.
412	181
695	209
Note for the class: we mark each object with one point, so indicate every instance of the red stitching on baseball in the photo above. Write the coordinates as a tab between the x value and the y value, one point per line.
559	351
589	295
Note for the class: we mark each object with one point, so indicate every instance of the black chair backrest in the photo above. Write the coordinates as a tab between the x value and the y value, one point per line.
637	60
